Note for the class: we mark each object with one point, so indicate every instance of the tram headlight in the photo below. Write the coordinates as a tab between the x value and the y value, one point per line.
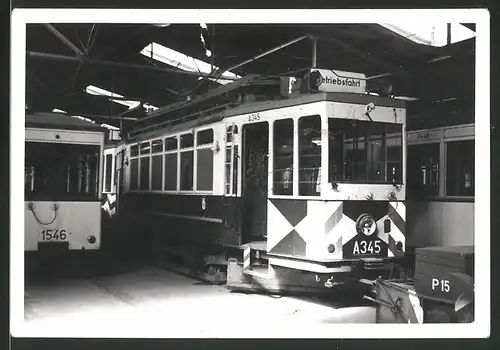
366	225
91	239
331	248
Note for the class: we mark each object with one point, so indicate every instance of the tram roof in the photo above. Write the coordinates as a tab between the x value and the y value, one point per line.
59	121
261	106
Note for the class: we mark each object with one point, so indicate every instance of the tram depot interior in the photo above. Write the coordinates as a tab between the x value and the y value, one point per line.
205	137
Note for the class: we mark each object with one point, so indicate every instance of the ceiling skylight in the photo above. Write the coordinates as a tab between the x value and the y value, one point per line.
430	34
94	90
57	110
182	61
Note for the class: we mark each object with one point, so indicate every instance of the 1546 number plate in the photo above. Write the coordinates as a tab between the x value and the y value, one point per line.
53	235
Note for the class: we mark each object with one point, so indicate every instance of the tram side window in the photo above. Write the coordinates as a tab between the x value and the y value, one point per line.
283	157
309	155
134	168
145	149
187	171
231	175
61	171
460	168
187	164
171	147
423	170
156	172
156	165
205	160
108	166
171	171
144	178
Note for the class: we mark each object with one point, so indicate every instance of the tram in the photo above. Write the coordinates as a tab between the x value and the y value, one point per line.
297	192
441	186
63	158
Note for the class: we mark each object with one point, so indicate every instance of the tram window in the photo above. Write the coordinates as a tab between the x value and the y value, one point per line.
205	170
228	170
145	148
230	130
235	170
156	172
460	168
335	151
144	180
355	161
205	137
157	146
363	151
309	155
375	153
171	172
134	169
187	140
108	167
187	171
423	170
134	151
283	157
171	143
394	141
54	171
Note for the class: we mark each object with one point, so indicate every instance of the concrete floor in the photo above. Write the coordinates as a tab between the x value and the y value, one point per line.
152	301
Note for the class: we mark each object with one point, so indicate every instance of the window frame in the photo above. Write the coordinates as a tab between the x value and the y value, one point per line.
169	152
443	136
210	146
364	139
68	196
447	142
177	151
112	153
296	184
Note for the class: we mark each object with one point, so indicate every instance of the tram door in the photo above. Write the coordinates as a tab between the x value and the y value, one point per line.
254	184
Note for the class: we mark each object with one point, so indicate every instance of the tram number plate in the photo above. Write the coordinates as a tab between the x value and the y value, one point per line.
366	247
53	235
254	117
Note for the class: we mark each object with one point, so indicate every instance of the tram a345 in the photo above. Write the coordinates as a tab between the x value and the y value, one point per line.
290	193
63	158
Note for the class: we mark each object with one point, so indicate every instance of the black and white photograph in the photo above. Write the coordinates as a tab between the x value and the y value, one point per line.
250	173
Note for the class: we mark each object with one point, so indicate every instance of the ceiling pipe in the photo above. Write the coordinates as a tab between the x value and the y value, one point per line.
314	52
68	43
85	60
256	57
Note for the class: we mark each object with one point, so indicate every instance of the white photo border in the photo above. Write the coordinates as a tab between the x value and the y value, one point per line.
480	328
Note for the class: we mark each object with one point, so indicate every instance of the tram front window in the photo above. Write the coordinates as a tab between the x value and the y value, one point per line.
364	151
61	171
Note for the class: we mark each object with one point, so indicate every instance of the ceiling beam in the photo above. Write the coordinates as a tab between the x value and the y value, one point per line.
85	60
68	43
219	72
370	58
